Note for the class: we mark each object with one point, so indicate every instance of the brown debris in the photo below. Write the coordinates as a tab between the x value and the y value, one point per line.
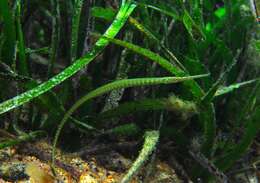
30	163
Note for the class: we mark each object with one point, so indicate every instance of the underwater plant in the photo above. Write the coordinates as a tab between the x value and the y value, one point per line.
184	73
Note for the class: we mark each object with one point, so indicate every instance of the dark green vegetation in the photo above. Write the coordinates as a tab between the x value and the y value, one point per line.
110	70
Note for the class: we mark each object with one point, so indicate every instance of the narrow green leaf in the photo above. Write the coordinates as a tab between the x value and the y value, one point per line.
22	65
8	49
103	13
210	94
75	28
152	36
208	117
107	14
55	37
115	27
251	131
149	54
190	24
22	139
162	9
